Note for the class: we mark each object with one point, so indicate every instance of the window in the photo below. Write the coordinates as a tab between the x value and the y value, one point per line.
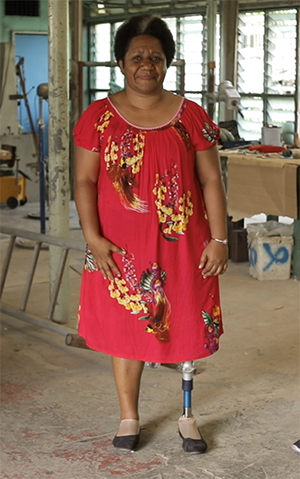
102	78
190	37
267	46
267	65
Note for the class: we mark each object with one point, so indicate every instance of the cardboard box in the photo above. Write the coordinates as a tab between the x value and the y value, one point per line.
261	185
270	257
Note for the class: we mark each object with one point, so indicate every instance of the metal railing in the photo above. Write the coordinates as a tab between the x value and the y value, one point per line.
39	239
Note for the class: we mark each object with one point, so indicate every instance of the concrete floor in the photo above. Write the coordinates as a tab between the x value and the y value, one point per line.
60	409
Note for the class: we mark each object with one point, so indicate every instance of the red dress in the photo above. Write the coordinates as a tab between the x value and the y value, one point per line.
150	203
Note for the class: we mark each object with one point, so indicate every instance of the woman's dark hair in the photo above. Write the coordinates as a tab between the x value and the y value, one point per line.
144	25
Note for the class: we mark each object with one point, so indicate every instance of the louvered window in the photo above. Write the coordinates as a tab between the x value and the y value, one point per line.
267	65
189	33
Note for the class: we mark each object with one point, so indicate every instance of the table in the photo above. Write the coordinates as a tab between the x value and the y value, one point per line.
269	184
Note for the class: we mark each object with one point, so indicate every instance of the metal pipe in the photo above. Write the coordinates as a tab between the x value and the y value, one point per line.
176	63
52	240
57	285
37	249
42	167
20	73
6	263
187	387
39	322
39	238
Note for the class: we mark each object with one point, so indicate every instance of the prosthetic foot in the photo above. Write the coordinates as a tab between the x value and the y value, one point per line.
188	431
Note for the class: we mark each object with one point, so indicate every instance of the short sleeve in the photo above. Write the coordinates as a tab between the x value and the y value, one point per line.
86	132
204	133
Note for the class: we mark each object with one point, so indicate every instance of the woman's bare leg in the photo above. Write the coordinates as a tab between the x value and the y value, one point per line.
127	374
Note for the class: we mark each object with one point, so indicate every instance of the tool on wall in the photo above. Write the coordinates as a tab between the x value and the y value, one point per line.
24	96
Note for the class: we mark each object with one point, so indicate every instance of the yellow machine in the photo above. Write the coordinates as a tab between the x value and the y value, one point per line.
12	181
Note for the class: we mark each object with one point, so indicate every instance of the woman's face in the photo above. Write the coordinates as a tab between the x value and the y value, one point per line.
144	65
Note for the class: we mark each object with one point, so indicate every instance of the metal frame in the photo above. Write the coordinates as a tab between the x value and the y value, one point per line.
178	63
39	239
265	96
163	10
169	8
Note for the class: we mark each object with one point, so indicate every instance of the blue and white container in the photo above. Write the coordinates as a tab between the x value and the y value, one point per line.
270	250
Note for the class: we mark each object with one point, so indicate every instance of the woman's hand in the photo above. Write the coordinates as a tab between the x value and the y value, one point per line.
102	250
214	259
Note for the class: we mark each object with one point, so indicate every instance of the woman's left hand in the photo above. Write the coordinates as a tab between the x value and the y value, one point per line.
214	259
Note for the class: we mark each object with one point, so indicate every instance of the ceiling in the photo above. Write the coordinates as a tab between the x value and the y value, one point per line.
125	8
106	10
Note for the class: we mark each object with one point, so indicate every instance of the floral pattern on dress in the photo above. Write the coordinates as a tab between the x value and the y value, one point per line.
210	132
145	296
101	126
122	164
173	211
89	261
212	331
182	132
103	121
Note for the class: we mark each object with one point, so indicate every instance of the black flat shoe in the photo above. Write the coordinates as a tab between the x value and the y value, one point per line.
193	446
126	442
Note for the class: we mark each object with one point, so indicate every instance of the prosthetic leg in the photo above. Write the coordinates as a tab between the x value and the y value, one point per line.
188	431
187	387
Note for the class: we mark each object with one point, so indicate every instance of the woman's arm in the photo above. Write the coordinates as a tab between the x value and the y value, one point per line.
86	178
215	256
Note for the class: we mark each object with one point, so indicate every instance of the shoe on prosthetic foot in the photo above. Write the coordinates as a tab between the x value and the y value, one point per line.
188	431
192	442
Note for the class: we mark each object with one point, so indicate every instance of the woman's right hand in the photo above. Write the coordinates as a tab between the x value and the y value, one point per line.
102	250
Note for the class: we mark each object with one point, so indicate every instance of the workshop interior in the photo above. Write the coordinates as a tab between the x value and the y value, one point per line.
258	108
239	60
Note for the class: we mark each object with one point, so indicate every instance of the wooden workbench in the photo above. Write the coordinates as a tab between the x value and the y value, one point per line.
269	184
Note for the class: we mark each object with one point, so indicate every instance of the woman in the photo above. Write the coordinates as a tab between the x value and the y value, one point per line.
152	209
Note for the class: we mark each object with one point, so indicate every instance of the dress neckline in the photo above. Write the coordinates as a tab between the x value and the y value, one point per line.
149	128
